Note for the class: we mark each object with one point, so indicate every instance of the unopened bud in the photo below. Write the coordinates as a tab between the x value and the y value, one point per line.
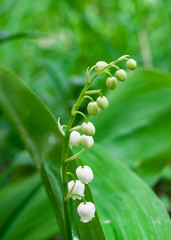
88	129
92	108
131	64
86	141
100	65
111	82
121	75
102	102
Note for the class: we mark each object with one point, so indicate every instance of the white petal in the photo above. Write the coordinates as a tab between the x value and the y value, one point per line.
88	129
86	211
86	141
84	174
74	138
78	188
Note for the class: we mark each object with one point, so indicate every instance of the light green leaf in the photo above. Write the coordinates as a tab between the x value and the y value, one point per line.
127	208
137	122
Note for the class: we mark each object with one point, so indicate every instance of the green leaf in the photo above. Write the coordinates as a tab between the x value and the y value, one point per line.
25	209
137	122
40	133
127	208
10	37
9	207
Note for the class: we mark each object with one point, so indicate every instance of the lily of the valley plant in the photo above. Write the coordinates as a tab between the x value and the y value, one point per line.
71	137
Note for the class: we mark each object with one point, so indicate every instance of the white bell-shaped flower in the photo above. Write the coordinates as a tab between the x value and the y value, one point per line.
102	102
84	174
88	129
86	211
87	141
78	188
100	65
74	139
92	108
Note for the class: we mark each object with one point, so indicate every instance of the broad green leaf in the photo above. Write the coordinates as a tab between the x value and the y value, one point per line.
127	208
137	122
9	207
25	209
39	131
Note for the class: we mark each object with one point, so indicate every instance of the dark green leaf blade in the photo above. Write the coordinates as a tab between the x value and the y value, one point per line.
7	209
38	129
36	126
30	211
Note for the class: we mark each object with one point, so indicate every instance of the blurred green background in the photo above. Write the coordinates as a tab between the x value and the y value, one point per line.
49	44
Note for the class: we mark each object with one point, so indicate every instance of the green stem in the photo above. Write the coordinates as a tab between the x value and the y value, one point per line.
82	164
82	114
114	66
75	128
91	99
101	95
78	195
91	69
72	175
65	149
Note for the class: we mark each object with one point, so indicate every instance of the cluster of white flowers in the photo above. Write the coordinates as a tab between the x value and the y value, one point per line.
86	139
86	210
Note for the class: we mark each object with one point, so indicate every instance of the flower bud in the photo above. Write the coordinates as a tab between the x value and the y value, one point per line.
102	102
74	139
121	75
92	108
100	65
84	174
111	82
78	188
87	141
131	64
88	129
86	211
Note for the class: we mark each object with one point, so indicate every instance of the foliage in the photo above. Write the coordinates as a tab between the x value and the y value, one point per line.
25	110
49	44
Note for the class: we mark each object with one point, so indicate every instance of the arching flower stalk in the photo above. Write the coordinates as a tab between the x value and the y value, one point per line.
72	138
